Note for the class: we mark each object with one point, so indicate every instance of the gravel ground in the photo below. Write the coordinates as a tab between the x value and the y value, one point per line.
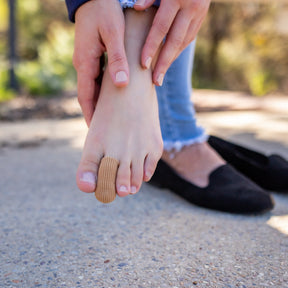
52	235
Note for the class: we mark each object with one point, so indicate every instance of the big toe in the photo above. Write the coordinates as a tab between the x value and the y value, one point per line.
86	176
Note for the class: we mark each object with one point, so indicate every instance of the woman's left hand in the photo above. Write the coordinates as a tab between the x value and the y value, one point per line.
177	20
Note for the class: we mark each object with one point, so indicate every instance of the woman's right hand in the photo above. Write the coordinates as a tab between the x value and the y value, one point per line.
99	27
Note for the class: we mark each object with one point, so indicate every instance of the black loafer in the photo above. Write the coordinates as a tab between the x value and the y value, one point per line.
269	172
227	191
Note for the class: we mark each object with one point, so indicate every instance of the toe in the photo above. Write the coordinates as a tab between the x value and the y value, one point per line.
150	166
87	173
123	179
136	176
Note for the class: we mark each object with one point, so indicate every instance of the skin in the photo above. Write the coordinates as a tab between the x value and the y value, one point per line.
125	125
194	163
179	20
94	36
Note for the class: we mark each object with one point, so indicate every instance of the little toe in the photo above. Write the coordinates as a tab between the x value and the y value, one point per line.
123	179
150	166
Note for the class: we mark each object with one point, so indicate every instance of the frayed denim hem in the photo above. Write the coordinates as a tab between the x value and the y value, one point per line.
176	146
127	3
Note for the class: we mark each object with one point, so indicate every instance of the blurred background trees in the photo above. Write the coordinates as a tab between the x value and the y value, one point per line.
44	48
242	45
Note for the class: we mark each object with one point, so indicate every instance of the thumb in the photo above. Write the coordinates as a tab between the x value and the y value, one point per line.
117	61
143	4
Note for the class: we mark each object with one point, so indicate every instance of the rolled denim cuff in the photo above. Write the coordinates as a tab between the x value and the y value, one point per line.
127	3
73	5
130	3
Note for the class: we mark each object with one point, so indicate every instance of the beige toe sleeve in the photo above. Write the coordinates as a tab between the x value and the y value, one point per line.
106	180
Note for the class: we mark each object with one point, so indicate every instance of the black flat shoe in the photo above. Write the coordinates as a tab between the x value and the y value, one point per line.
227	191
269	172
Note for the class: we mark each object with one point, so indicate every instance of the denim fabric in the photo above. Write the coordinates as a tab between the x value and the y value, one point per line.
176	111
130	3
73	5
127	3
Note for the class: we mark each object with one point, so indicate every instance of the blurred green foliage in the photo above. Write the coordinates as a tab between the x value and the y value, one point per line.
244	46
5	92
241	46
44	47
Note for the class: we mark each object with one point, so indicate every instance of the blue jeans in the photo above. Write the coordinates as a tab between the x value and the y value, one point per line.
176	111
130	3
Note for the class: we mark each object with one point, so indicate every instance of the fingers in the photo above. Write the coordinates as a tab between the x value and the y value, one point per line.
86	61
113	37
94	36
173	44
180	22
88	88
118	65
160	27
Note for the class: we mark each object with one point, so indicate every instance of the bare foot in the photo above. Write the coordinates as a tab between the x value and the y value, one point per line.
194	163
125	124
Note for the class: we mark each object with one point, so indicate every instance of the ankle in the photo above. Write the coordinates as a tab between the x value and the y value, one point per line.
193	149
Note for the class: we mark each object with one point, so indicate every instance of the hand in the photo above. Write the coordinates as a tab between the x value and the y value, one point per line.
99	28
179	21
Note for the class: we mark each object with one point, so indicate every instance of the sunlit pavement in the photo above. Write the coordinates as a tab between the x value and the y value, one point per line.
52	235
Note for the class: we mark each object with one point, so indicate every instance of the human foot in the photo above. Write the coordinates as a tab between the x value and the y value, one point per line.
125	125
194	163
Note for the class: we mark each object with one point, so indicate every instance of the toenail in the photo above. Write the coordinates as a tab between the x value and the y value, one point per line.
148	175
123	189
88	177
133	190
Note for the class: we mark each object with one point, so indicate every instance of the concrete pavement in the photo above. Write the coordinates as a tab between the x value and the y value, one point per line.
52	235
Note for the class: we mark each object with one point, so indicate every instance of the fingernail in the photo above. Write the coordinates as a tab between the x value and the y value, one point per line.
160	79
148	62
133	190
88	177
123	189
140	2
121	76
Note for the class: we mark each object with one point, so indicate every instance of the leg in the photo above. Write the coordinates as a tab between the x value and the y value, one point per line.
184	140
189	166
125	124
